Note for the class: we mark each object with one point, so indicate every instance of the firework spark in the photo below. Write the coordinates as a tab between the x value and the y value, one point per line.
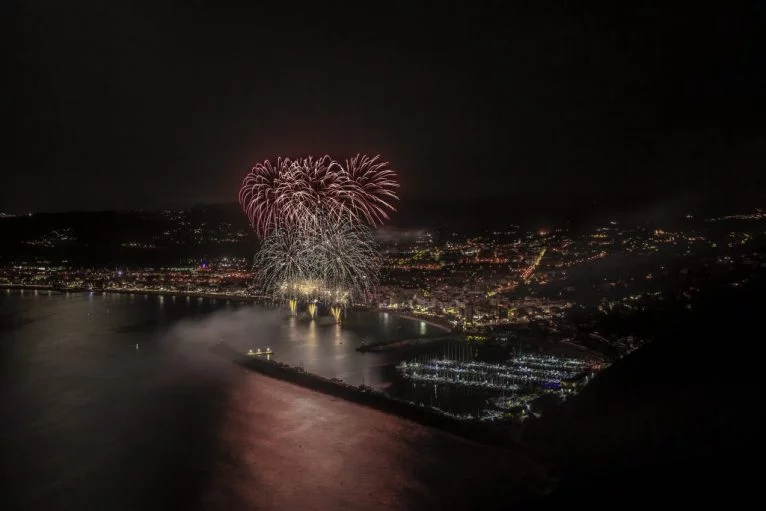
291	192
314	216
334	261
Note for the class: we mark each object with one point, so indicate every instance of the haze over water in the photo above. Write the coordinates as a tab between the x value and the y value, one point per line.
90	421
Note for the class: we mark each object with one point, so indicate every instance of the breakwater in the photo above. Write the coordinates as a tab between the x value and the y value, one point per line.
366	396
390	345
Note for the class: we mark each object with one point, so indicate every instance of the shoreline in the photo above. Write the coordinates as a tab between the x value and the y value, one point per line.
189	294
446	333
435	322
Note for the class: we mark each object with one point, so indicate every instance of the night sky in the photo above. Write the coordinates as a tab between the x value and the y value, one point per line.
142	105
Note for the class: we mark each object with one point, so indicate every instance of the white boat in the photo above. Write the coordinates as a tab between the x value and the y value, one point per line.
259	351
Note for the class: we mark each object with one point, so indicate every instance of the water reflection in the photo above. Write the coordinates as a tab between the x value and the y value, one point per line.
321	345
311	338
338	335
296	449
230	439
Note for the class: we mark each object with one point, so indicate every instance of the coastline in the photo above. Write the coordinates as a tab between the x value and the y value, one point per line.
440	323
446	329
190	294
447	332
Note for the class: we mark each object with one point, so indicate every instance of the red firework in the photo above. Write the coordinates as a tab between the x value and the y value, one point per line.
293	192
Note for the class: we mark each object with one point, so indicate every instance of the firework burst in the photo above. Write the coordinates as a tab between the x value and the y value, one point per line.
314	216
290	192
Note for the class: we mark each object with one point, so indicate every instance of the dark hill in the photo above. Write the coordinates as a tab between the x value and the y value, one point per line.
677	420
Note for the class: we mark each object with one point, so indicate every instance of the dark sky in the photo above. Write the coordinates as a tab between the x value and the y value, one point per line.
165	104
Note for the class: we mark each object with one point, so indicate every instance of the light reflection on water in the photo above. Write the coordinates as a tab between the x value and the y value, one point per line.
338	335
91	420
312	334
319	345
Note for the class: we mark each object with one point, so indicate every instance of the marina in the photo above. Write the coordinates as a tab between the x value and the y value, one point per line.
522	371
